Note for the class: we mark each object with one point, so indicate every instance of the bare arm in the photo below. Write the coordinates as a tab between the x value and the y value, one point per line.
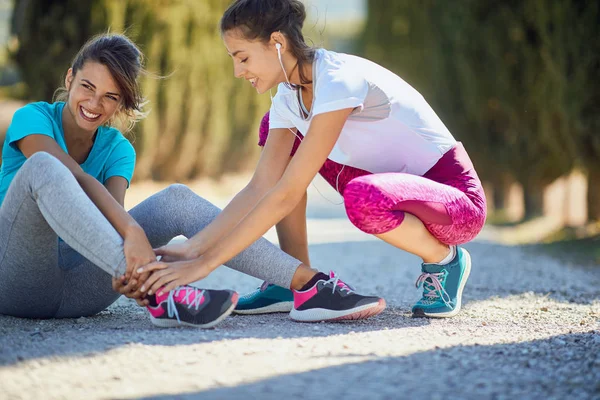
284	197
292	235
117	186
271	165
279	202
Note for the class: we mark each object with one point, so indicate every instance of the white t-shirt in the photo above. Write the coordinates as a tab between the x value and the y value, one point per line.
392	128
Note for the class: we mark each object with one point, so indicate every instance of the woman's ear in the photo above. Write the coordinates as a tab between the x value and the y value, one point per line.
277	38
69	79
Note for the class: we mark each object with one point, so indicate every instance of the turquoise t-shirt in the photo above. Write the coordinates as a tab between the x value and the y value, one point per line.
111	155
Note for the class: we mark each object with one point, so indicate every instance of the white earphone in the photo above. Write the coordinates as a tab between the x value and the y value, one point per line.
278	47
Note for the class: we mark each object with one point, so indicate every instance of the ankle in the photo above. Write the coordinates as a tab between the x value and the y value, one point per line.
443	255
318	277
303	275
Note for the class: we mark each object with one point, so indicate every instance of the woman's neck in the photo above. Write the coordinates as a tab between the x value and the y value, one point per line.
307	73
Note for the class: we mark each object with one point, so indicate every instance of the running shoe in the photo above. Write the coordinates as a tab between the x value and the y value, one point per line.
190	306
268	298
443	286
330	299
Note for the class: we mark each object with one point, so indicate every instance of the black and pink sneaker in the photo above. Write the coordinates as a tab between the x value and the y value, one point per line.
190	306
330	299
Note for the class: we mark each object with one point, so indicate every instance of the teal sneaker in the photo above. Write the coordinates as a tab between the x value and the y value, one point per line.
268	298
443	286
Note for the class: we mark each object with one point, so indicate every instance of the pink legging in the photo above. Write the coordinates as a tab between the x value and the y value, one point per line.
448	199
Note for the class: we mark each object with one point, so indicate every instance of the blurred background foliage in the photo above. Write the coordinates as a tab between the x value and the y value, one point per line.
515	80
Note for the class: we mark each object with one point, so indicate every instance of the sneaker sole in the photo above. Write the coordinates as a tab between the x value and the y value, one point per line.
284	306
459	294
322	314
170	323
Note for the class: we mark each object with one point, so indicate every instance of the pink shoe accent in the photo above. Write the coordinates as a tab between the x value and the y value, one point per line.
234	298
157	311
183	295
302	297
162	297
187	295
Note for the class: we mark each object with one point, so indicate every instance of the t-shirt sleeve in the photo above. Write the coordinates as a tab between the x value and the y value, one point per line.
28	120
276	117
121	162
339	89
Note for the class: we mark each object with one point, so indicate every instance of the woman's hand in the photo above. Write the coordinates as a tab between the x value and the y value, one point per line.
166	276
182	251
138	252
128	289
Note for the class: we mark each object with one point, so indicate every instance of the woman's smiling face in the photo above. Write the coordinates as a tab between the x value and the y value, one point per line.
254	61
94	96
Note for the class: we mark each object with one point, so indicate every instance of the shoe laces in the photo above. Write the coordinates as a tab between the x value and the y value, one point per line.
433	289
338	283
192	298
264	286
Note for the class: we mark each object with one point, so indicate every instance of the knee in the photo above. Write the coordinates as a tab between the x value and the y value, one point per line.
42	160
170	205
356	202
351	194
176	191
44	168
359	194
183	196
368	208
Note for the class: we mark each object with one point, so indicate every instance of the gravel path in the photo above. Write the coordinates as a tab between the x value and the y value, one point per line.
529	330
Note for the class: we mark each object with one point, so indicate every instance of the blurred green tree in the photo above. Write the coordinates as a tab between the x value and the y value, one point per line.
583	91
203	118
49	34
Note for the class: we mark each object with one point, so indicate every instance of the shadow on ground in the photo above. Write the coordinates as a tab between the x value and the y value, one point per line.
77	337
562	367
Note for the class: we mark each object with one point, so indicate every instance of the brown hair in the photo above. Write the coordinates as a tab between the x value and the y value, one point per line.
258	19
124	61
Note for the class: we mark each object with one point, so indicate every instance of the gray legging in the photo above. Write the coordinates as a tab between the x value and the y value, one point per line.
44	277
